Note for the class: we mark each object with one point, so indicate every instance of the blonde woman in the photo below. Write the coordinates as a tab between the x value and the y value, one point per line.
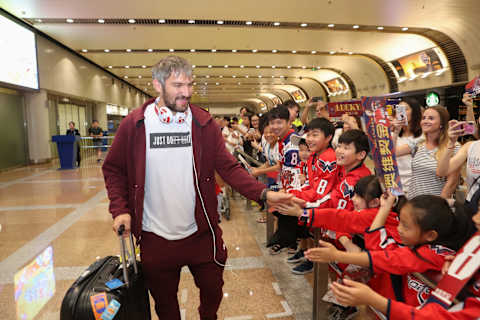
426	154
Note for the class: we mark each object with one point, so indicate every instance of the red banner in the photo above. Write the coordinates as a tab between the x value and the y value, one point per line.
337	109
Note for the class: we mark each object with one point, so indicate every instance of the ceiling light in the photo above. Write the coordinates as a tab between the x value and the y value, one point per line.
220	76
129	50
150	50
273	76
194	83
194	76
107	50
289	67
274	50
404	29
350	52
294	51
246	76
207	76
276	24
38	20
258	67
239	83
248	23
242	66
313	51
332	52
209	65
234	50
331	25
304	67
127	67
219	22
131	21
319	67
110	67
356	26
254	50
234	76
273	67
139	77
303	25
214	50
126	77
191	21
206	83
161	21
379	28
259	76
217	83
171	50
193	66
144	66
101	21
148	83
225	66
70	20
84	50
282	76
192	50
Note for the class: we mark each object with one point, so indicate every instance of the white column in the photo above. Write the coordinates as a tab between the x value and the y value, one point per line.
38	126
100	114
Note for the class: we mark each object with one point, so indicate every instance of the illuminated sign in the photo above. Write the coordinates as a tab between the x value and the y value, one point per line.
432	99
418	63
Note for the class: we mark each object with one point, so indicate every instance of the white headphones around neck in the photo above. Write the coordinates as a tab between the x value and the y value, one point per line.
166	115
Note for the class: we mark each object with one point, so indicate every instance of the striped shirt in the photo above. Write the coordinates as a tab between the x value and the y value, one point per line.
424	171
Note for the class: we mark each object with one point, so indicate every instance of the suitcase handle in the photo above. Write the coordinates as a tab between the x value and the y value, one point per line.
123	252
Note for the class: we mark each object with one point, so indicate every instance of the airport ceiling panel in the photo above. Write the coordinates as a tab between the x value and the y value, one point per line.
275	41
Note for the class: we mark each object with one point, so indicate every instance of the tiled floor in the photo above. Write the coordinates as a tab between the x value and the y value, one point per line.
64	214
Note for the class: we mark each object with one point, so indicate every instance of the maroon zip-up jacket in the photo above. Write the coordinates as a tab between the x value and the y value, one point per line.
124	170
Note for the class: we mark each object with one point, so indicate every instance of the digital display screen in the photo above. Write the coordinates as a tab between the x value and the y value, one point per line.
18	55
336	85
298	96
34	285
418	63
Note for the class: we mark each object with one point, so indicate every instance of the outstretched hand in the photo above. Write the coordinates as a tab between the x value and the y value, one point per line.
290	209
387	200
352	293
325	253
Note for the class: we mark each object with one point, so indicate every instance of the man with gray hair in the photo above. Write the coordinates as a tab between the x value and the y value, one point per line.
159	175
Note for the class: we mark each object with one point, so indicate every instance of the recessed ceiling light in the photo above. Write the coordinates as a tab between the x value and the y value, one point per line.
69	20
248	23
131	21
273	67
273	76
234	50
129	50
294	51
259	76
276	24
192	50
127	67
101	21
356	26
379	28
319	67
110	67
193	66
161	21
274	50
144	66
206	83
220	76
209	65
219	22
350	52
404	29
332	52
191	21
258	67
207	76
84	50
282	76
289	67
194	83
107	50
139	77
313	51
331	25
150	50
304	67
214	50
234	76
171	50
217	83
226	66
239	83
126	77
254	50
242	66
303	25
246	76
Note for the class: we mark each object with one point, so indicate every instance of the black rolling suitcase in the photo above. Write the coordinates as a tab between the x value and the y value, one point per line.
94	294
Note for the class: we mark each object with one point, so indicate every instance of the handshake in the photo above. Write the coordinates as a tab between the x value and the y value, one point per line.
285	203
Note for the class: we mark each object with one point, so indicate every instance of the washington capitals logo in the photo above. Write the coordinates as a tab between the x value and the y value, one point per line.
326	165
347	190
423	291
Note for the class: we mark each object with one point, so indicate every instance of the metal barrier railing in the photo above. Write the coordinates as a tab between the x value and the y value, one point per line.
93	150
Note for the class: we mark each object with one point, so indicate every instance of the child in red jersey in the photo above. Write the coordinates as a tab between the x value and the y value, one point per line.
321	172
429	232
355	293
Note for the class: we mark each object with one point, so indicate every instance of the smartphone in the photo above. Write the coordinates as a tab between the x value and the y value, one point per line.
468	127
401	114
316	99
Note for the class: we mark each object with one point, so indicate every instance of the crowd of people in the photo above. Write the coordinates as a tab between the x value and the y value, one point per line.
375	244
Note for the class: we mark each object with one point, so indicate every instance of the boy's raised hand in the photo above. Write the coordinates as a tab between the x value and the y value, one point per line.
325	253
387	200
